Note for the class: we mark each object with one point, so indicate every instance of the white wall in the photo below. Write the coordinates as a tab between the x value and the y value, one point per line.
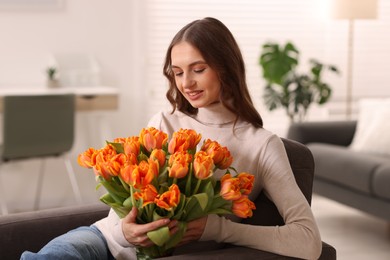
108	30
125	37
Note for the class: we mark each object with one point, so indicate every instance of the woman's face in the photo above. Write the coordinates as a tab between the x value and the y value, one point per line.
194	78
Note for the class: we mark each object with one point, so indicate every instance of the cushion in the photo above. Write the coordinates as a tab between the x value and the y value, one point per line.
337	164
373	127
381	180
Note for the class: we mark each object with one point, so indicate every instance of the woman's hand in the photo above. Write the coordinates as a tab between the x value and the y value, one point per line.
135	233
194	230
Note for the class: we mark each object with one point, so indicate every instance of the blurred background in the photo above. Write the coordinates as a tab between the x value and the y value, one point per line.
121	44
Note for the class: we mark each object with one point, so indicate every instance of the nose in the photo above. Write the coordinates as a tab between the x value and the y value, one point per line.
187	81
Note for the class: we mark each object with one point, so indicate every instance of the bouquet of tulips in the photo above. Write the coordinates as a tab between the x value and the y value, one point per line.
168	179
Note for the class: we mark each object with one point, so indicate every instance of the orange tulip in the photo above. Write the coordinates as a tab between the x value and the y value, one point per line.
246	182
152	138
159	155
230	187
139	175
243	207
148	194
220	154
183	140
203	165
87	159
169	199
103	166
178	164
131	145
115	164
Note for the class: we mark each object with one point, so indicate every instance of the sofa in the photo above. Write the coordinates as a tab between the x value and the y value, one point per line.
358	179
32	230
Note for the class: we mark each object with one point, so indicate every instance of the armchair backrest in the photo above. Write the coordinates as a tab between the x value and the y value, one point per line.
38	125
302	165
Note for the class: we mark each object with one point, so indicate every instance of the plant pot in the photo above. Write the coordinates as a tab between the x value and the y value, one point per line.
52	83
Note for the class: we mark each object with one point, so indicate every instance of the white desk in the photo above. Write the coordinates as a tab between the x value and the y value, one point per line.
87	98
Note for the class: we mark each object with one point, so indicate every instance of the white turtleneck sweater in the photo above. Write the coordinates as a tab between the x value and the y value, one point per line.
257	151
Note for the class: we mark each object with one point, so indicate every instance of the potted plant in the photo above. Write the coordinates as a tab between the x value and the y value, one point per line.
286	87
52	78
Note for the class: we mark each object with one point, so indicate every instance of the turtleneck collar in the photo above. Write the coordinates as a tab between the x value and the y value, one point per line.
215	114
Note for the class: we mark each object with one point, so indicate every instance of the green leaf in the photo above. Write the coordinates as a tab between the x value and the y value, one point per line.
196	206
221	211
277	61
142	157
118	147
177	237
219	202
116	191
128	202
120	210
209	191
179	210
159	236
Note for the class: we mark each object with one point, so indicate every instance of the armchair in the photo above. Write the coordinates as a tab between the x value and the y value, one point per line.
30	231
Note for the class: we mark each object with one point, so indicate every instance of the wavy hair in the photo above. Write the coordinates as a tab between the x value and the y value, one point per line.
221	52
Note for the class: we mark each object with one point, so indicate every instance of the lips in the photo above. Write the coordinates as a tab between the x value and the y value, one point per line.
194	94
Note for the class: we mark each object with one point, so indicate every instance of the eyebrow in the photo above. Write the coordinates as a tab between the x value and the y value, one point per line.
191	64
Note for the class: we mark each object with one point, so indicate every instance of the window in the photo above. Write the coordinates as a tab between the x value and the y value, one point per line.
254	22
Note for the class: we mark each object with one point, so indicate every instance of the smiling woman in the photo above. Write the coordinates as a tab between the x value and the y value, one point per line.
195	79
305	23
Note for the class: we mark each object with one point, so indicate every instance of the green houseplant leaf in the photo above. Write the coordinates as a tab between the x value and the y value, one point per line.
288	89
278	61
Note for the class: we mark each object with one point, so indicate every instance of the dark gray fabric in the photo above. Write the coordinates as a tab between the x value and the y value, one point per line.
341	165
368	204
36	126
381	182
31	231
331	132
357	179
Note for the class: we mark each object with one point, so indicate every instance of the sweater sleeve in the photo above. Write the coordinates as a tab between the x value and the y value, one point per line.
111	227
299	237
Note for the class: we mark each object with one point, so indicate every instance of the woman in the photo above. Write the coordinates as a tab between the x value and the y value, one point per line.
208	92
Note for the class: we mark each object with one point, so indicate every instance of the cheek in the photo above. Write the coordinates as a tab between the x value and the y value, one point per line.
177	83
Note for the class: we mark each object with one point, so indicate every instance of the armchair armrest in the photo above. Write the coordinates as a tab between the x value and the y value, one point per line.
236	252
32	230
331	132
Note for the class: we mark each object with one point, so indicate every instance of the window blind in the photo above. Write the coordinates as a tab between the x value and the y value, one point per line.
254	22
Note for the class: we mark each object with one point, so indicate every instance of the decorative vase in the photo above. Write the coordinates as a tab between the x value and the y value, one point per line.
52	83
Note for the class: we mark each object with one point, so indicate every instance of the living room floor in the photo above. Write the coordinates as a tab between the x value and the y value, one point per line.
354	234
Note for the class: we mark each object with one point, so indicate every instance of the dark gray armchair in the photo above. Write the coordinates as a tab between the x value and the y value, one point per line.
30	231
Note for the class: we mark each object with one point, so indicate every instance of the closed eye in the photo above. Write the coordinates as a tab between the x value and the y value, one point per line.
199	70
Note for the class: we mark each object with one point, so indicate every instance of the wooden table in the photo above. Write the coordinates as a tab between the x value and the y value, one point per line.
87	98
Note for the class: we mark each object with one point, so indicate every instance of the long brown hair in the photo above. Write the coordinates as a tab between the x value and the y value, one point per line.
220	50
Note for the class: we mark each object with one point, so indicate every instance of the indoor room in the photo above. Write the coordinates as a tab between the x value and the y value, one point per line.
317	73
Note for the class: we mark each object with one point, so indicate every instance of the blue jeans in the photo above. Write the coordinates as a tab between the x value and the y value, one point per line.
81	243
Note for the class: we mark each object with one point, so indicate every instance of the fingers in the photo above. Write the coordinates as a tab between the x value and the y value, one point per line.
194	230
144	228
136	234
173	228
132	216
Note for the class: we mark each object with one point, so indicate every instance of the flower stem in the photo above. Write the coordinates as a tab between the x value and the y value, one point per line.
132	195
197	186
